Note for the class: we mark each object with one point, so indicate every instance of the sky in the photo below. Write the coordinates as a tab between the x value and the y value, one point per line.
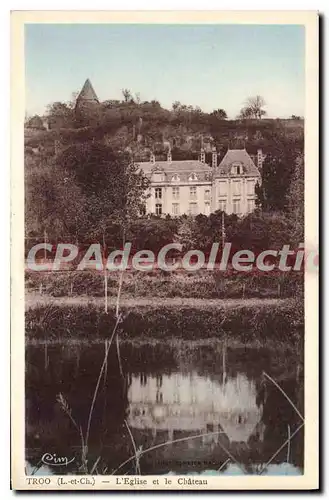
211	66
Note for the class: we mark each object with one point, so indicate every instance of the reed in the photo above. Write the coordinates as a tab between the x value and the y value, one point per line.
287	442
68	411
188	438
65	406
137	452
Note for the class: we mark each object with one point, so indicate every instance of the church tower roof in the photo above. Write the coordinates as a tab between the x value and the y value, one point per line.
87	94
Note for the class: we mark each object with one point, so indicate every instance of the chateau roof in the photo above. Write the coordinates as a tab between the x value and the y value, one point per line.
183	169
175	166
237	156
87	94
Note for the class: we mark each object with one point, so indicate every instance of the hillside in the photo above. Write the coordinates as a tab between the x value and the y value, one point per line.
148	126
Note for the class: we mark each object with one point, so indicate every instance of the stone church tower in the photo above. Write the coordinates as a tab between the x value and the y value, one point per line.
87	100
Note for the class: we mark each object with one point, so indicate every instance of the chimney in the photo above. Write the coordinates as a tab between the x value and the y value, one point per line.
169	157
259	159
152	158
214	158
203	156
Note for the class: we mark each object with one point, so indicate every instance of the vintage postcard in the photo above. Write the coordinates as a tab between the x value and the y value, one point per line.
165	251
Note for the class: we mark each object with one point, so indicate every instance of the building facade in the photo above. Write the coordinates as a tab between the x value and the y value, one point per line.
193	187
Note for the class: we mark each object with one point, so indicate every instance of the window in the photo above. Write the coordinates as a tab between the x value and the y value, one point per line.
193	208
193	177
222	187
207	208
159	397
176	397
175	208
236	206
175	193
222	205
158	177
251	205
175	178
250	187
193	192
158	193
158	209
236	187
237	169
207	194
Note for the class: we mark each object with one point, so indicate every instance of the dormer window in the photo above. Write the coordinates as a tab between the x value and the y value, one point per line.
175	178
237	169
158	176
193	177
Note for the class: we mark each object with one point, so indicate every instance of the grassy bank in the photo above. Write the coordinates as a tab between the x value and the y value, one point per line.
201	284
241	320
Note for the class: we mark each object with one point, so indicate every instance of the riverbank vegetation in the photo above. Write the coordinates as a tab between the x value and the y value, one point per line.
201	284
263	320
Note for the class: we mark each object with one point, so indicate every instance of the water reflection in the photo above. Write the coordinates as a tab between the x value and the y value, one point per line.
180	402
210	405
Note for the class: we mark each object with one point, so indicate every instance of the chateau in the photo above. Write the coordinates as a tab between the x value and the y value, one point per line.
188	187
193	187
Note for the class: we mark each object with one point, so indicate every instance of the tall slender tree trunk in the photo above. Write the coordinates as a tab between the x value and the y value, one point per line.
105	276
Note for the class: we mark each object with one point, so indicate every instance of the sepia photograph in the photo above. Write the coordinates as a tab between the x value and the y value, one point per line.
165	252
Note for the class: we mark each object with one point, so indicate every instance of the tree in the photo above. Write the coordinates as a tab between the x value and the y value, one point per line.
246	113
216	226
127	95
186	233
60	115
152	233
276	176
176	105
219	114
53	203
296	202
259	195
111	184
260	231
253	108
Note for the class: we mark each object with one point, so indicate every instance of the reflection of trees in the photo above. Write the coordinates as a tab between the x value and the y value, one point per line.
209	360
278	414
48	428
146	359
